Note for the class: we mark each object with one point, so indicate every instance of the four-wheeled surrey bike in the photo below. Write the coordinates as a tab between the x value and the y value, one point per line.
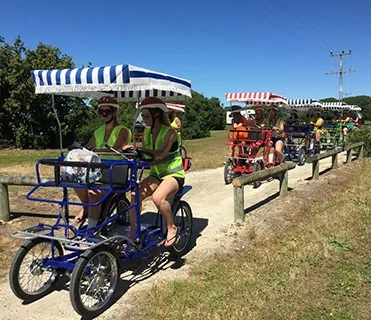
91	255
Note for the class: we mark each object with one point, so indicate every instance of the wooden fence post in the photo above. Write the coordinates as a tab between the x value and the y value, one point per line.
284	183
349	156
334	161
4	203
315	169
239	204
360	155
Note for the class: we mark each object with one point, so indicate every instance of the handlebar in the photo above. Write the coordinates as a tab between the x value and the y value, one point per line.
132	152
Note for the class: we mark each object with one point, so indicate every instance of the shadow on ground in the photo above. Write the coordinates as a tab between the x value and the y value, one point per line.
134	271
263	202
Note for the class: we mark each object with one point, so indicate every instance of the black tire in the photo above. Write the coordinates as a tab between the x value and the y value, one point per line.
228	174
115	204
46	278
88	279
301	157
183	219
257	166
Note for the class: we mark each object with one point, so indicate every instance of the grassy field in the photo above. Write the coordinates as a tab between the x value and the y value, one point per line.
205	153
318	267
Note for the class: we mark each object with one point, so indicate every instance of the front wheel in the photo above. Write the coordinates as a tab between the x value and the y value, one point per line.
30	279
257	166
183	220
93	281
228	173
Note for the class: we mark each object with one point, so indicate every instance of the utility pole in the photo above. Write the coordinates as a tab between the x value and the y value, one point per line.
341	72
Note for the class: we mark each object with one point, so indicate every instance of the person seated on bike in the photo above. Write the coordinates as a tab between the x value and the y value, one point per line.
277	139
259	119
113	134
166	176
239	122
293	118
317	123
175	121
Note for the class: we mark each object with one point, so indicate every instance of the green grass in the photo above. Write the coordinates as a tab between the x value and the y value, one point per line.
209	152
10	157
205	153
318	267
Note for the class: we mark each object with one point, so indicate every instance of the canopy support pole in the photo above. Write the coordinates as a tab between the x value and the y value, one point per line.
59	124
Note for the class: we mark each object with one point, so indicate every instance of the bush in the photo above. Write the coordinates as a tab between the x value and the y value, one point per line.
361	135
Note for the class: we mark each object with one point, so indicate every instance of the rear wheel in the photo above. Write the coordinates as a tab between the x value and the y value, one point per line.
28	277
183	220
228	173
301	157
93	281
115	204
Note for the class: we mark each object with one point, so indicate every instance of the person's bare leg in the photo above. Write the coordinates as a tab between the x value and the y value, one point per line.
166	189
279	151
94	211
84	198
147	187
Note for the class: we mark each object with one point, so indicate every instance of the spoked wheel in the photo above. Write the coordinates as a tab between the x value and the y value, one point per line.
301	157
228	173
28	277
93	281
115	204
184	222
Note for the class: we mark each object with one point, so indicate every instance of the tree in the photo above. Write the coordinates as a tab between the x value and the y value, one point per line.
27	118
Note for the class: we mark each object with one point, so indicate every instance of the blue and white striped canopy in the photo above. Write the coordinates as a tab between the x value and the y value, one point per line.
125	82
303	103
340	105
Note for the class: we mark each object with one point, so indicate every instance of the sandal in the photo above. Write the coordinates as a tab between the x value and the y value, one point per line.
173	239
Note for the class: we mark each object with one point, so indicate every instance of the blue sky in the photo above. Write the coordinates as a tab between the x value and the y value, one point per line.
222	46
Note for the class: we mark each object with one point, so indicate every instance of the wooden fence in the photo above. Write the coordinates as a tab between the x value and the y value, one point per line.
239	183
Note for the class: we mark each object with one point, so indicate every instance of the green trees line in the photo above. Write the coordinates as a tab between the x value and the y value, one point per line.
27	120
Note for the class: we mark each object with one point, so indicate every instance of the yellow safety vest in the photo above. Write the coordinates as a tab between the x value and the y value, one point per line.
99	136
169	166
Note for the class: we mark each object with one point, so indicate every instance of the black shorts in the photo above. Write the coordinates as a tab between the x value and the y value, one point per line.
179	180
275	139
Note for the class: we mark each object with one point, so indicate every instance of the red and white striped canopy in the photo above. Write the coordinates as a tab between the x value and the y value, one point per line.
172	106
176	107
255	98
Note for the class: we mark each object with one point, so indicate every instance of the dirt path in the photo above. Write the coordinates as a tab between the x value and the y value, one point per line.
212	205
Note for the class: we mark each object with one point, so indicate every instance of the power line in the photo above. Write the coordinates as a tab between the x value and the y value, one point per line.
341	71
278	26
307	24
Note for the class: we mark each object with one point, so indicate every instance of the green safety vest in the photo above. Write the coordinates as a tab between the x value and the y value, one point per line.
169	166
99	136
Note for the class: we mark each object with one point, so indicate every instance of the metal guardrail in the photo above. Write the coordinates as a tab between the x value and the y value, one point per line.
240	182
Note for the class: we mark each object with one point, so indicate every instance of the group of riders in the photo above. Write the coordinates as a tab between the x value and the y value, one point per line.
161	138
271	119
